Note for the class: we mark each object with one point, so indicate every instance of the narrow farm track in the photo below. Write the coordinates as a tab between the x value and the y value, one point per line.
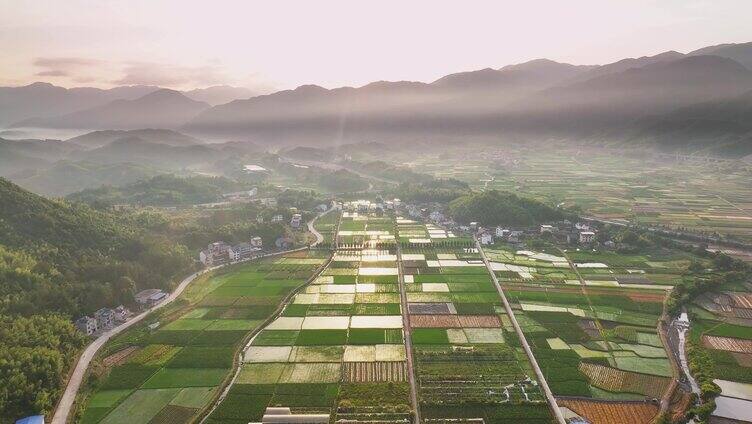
408	337
583	287
67	400
238	362
523	341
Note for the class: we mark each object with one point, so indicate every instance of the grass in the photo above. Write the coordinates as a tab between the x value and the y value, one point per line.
260	373
369	394
276	338
429	336
233	324
108	398
321	337
203	357
185	377
193	397
154	355
731	330
141	406
129	376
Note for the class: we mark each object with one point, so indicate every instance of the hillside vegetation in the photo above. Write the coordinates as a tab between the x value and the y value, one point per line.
162	190
491	208
59	260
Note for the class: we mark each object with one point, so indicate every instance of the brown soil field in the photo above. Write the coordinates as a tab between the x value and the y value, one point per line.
614	380
603	412
728	344
365	372
455	321
119	357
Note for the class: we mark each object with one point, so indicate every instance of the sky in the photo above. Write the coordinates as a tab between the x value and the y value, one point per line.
280	44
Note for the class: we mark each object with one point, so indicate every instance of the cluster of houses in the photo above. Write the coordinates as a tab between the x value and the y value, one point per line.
366	206
103	319
219	252
106	318
563	231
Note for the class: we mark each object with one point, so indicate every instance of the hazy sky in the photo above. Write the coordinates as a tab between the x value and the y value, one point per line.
185	44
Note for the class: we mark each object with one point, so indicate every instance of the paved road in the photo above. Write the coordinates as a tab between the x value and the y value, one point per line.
523	341
408	338
74	383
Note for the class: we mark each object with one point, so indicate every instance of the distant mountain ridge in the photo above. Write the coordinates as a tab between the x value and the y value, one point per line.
536	99
159	109
44	100
159	136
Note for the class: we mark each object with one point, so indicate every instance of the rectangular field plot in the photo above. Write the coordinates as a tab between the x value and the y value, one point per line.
369	372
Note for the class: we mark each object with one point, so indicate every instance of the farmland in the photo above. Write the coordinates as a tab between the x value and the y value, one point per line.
591	328
701	197
337	348
172	372
467	365
722	332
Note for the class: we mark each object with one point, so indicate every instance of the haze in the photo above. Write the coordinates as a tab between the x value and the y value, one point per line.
277	45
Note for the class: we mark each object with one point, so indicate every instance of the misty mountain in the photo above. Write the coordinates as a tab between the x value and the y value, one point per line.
19	155
741	53
66	177
43	100
614	100
161	156
626	64
158	136
219	94
160	109
512	79
539	98
720	128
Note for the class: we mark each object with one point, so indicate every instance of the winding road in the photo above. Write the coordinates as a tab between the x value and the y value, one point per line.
67	400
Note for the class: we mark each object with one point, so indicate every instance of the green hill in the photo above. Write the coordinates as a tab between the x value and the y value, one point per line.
493	207
162	190
59	260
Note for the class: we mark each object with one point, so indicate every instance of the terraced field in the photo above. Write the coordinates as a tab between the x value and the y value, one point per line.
467	365
171	372
336	350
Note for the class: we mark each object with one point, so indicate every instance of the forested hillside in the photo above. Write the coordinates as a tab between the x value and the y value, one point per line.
162	190
59	260
494	207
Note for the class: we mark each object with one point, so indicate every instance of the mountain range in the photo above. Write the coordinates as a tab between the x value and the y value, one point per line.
671	99
44	100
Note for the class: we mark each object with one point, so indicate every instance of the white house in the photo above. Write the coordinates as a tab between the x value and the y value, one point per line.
587	236
240	251
256	242
486	238
545	228
121	313
87	325
216	253
296	220
105	318
277	218
501	232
